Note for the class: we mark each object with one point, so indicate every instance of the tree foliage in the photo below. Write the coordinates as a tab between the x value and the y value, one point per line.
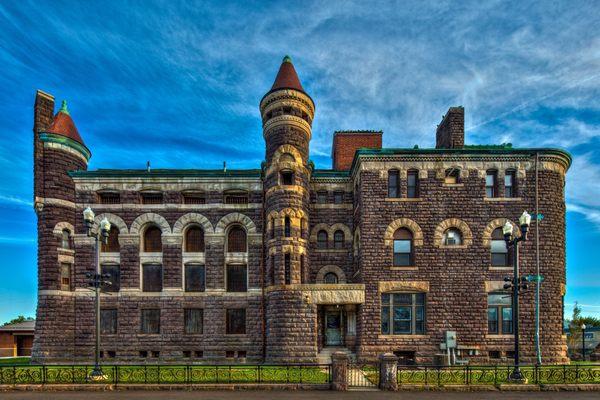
20	318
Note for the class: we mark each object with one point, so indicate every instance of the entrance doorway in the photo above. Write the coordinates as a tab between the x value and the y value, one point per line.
333	330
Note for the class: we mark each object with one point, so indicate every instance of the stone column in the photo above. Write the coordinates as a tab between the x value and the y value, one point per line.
388	370
339	371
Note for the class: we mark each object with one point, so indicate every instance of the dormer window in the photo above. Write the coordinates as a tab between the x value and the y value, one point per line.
152	198
287	177
109	197
452	176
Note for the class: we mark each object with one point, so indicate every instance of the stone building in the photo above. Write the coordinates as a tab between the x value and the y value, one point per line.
386	251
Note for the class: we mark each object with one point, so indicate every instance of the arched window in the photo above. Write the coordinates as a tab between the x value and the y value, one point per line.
452	237
236	240
499	249
322	239
288	228
112	245
338	239
152	240
194	240
330	278
403	248
65	239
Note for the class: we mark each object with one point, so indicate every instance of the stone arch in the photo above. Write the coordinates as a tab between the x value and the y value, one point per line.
60	227
287	148
316	229
114	220
149	218
331	268
292	212
493	225
233	218
191	218
403	223
459	224
342	227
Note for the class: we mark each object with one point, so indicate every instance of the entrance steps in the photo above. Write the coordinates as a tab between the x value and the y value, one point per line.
324	357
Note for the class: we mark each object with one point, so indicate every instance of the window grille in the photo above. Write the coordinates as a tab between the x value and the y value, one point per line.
194	240
236	240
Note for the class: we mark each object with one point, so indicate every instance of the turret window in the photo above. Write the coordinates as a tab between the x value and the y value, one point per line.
287	227
452	237
287	177
499	249
287	269
65	239
330	278
65	276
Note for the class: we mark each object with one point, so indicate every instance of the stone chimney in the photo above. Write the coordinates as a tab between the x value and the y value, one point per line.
450	132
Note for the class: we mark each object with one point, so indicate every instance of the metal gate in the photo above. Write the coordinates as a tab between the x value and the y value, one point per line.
363	375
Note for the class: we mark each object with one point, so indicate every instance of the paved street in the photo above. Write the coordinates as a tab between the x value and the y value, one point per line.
300	395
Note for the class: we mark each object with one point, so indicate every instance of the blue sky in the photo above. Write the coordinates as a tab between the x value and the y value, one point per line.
178	83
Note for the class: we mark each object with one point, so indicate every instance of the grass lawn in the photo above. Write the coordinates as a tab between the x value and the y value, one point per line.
14	360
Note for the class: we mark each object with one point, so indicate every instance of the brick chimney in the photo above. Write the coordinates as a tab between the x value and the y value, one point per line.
345	144
450	132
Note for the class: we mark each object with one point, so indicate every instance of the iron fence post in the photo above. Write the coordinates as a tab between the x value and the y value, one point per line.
187	375
438	376
259	374
426	376
565	373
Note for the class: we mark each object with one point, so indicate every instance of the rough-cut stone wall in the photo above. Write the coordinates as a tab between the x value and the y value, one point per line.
456	280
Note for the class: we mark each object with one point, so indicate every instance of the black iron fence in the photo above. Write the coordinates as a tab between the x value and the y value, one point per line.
167	374
496	375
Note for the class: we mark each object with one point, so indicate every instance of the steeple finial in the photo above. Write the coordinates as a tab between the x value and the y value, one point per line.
287	59
63	108
287	78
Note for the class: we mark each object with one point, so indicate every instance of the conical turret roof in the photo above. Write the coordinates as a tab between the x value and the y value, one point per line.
287	78
63	124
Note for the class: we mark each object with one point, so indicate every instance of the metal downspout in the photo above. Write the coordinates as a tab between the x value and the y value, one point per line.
538	282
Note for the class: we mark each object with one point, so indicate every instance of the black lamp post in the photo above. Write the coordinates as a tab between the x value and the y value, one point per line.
96	279
516	283
583	341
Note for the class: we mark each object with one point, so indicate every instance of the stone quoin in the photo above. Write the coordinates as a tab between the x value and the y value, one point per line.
383	253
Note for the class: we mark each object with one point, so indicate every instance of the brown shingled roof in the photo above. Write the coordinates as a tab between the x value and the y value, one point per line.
287	78
63	125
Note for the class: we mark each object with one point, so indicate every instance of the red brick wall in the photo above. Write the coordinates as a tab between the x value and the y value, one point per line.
345	145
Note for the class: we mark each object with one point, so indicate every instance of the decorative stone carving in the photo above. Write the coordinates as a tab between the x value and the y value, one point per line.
114	220
403	286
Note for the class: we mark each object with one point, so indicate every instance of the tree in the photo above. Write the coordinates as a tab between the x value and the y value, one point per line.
20	318
574	329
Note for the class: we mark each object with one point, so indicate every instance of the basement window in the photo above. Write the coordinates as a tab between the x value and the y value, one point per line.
194	198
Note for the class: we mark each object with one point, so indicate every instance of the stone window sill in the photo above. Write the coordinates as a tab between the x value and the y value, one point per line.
501	199
236	335
407	268
403	199
451	247
62	250
453	184
331	250
499	337
507	268
381	336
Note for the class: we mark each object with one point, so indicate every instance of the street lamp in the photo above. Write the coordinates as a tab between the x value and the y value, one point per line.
96	279
583	341
516	283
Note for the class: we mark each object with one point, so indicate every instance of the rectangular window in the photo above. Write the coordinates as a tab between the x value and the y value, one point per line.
412	184
509	184
152	198
194	278
65	276
338	197
321	197
393	184
113	271
490	184
236	321
194	198
150	321
287	269
152	278
110	198
500	314
287	178
499	253
193	320
402	253
108	321
402	313
236	198
237	279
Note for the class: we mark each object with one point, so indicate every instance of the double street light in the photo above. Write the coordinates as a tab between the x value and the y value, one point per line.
96	279
516	283
583	327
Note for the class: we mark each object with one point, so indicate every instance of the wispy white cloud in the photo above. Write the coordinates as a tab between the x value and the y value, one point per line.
13	200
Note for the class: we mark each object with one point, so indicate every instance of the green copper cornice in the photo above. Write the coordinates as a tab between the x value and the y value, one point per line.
168	173
65	141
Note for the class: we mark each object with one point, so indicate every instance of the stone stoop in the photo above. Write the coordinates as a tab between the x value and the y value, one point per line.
324	357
